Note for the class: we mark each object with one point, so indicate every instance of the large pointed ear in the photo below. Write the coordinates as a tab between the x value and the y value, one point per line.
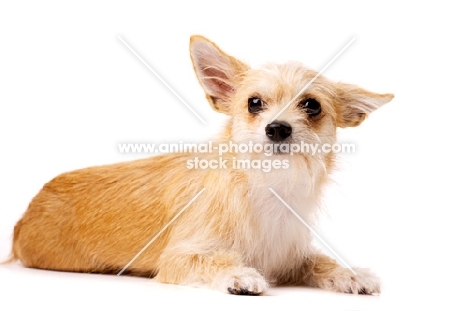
354	104
217	72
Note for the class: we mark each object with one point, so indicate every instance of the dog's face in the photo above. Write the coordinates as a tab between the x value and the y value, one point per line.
268	106
278	104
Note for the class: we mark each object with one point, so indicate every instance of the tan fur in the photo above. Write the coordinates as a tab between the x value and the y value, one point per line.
236	235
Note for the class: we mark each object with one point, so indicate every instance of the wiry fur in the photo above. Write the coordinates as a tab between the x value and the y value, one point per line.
237	236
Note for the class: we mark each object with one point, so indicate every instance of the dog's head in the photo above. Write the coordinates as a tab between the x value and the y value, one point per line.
282	104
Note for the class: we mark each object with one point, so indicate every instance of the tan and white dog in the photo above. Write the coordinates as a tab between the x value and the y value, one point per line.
236	236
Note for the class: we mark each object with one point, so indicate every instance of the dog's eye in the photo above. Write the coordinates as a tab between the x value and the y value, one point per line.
312	107
255	104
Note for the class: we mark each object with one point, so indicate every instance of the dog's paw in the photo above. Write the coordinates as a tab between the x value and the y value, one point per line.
345	281
364	282
242	281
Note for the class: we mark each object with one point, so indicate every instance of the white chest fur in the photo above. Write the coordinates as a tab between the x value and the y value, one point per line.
275	240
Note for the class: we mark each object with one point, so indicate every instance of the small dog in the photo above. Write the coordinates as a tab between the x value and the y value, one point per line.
237	236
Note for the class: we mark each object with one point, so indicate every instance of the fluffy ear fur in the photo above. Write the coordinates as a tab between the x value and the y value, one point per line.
355	104
217	72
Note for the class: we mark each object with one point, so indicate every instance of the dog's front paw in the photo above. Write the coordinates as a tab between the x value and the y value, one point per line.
364	282
345	281
242	281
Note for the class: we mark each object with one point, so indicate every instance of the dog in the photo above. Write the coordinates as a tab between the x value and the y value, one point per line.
236	235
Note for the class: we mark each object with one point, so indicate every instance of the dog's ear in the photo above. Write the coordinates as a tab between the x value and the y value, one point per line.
354	104
217	72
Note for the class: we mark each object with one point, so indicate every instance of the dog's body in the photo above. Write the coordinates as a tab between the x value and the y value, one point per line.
236	236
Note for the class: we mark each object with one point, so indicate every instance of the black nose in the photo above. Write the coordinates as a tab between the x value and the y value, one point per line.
278	130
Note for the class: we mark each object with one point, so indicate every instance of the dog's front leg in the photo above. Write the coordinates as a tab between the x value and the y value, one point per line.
221	270
326	273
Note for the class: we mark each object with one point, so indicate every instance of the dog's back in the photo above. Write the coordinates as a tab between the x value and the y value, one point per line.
96	219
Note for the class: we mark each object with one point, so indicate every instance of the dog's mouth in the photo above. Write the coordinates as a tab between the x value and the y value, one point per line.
276	148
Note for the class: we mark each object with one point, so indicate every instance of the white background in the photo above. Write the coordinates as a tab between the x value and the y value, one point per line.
70	91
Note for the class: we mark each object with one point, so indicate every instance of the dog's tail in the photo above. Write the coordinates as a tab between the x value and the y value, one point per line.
11	259
14	252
